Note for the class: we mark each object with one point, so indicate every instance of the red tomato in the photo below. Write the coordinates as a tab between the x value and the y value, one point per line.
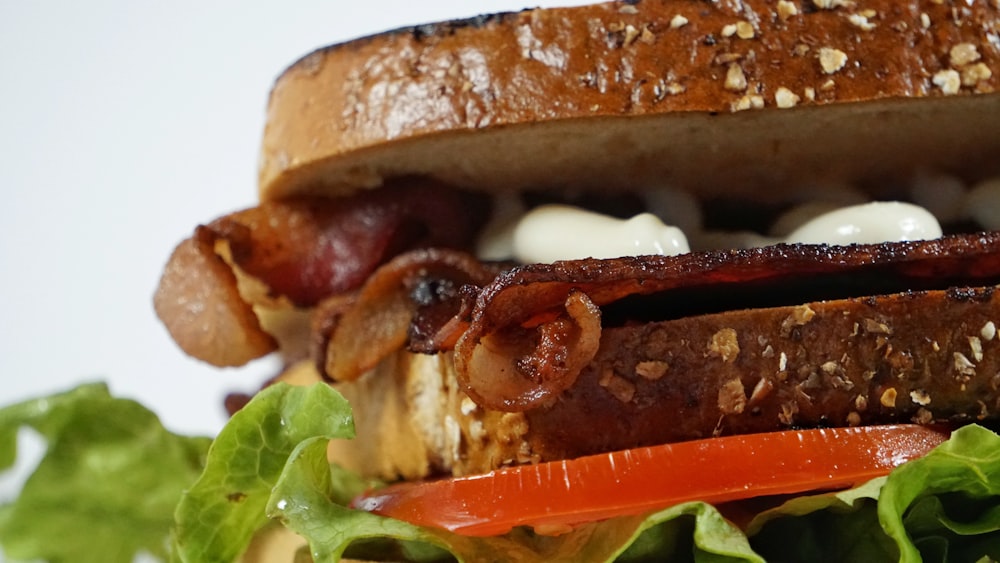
558	494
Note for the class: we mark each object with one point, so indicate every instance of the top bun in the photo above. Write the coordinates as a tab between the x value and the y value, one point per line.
755	97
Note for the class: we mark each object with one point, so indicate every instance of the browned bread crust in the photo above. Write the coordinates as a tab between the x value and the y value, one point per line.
648	93
921	357
913	357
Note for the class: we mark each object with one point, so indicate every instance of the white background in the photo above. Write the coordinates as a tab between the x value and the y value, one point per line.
122	126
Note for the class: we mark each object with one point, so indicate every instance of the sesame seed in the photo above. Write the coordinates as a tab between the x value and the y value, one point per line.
736	81
785	98
976	346
974	74
920	397
787	9
861	22
963	54
888	398
989	331
832	60
744	30
949	81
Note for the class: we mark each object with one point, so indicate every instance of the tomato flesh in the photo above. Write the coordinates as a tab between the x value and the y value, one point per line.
555	495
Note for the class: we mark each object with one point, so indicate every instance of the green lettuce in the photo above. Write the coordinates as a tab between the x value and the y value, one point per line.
107	485
946	506
310	496
942	507
270	462
219	515
303	500
269	466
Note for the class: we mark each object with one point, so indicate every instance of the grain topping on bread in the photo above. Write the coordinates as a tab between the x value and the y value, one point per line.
624	95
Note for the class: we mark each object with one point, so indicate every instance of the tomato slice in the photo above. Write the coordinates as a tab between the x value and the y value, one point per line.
555	495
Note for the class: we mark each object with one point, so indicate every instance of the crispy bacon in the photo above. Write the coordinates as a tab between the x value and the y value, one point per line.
507	329
308	249
381	317
200	304
303	251
523	368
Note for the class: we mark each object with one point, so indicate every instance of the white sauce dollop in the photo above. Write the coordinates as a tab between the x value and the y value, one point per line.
561	232
675	207
496	242
983	203
940	194
869	223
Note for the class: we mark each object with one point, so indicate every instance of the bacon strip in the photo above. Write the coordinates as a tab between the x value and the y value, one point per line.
200	304
381	317
509	311
308	249
303	251
519	369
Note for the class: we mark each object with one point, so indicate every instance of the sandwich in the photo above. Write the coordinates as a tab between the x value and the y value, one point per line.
639	279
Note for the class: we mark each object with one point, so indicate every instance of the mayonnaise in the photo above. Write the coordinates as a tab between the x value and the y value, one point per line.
940	194
869	223
793	218
562	232
496	241
675	207
983	203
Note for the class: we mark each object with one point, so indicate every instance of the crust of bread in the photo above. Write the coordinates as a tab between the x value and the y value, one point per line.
648	93
912	357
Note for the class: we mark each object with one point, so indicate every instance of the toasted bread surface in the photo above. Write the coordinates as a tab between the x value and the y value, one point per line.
754	97
919	357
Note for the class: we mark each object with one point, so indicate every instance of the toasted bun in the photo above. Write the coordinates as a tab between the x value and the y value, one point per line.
758	97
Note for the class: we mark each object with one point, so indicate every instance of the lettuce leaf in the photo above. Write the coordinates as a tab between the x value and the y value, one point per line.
219	515
302	499
106	487
270	462
942	507
269	466
946	506
839	526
